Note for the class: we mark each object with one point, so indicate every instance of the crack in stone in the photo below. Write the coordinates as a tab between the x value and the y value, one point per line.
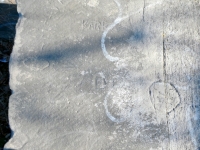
165	81
144	9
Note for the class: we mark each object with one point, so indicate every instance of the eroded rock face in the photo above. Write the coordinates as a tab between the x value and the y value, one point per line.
108	75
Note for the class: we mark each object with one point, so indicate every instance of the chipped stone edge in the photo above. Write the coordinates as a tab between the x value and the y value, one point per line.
14	71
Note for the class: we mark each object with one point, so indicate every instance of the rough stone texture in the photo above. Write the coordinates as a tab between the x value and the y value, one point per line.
106	75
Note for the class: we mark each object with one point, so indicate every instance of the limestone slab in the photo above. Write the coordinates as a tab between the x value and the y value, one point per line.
105	75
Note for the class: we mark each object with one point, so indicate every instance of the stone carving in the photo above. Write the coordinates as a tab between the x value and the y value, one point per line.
120	94
123	96
100	82
119	102
93	25
165	98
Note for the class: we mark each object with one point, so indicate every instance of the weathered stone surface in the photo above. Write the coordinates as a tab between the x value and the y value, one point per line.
105	75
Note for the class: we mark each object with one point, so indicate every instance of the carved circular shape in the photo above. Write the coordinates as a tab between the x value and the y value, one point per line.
118	103
164	96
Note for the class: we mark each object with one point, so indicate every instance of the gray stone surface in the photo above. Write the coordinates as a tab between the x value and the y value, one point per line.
105	75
